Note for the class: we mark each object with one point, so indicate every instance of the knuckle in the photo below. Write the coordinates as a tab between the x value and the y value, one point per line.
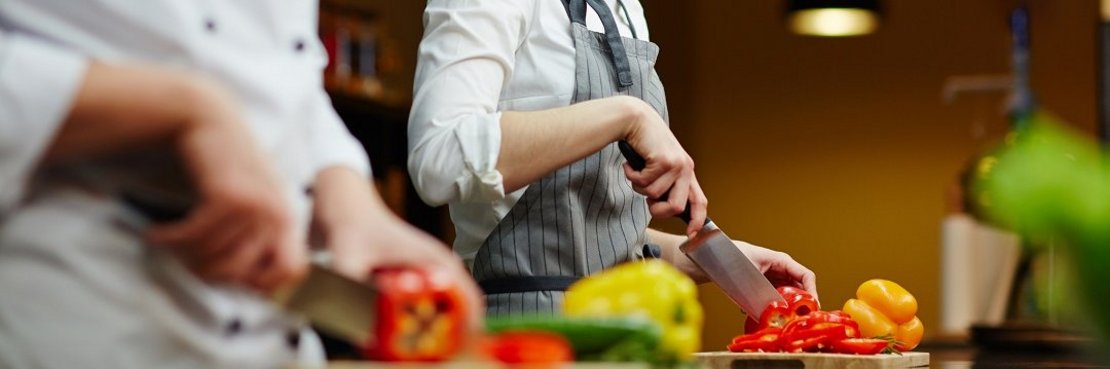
293	270
660	211
686	162
699	200
668	161
680	160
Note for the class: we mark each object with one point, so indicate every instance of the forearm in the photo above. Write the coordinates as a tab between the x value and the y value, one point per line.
342	200
669	244
120	107
534	144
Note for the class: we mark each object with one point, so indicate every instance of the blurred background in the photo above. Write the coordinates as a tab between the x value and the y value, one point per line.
842	152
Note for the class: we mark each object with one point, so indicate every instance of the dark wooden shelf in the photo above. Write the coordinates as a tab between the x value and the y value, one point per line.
350	104
380	126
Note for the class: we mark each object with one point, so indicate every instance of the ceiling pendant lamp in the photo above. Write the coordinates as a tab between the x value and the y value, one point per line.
833	18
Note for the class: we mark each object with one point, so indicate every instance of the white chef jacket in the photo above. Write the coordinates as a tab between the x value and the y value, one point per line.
75	289
477	59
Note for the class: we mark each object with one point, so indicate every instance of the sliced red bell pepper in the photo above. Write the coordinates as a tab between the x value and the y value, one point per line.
801	303
765	340
815	332
796	303
812	344
775	315
827	330
797	325
860	346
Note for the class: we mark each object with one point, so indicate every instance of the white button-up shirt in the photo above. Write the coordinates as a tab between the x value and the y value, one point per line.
78	291
251	46
477	59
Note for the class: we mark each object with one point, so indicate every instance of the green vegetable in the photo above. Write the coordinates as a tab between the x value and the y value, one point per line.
1045	181
1051	184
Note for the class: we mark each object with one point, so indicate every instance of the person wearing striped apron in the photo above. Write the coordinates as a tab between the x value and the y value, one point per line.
517	109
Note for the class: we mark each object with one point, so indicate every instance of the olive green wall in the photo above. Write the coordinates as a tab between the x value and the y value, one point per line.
838	151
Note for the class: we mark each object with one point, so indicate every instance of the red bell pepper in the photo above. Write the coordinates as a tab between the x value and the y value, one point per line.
421	316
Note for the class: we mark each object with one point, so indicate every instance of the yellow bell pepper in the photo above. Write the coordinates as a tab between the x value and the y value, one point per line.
883	308
651	289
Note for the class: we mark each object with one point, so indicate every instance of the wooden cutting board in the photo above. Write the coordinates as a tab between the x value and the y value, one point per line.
743	360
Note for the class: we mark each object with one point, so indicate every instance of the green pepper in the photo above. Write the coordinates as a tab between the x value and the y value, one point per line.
650	289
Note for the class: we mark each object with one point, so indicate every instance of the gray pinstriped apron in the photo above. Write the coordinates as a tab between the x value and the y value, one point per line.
584	217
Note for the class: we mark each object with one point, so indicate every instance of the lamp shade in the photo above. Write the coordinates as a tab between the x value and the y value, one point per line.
833	18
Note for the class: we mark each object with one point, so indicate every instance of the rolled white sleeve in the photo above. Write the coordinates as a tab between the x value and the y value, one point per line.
38	82
331	143
465	57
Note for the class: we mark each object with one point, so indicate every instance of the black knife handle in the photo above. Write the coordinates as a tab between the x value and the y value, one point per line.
638	163
157	212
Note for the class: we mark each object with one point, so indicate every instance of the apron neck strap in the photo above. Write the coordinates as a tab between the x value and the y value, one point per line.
577	11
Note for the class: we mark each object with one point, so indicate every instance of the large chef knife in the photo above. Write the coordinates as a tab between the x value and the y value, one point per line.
331	302
713	251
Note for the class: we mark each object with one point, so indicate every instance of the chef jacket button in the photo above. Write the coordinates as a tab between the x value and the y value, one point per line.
298	45
293	340
233	327
210	25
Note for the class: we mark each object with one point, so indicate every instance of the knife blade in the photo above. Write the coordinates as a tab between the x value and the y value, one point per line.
333	303
330	301
715	253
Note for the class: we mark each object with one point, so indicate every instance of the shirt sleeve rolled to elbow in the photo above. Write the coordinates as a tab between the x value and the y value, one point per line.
38	83
466	55
458	161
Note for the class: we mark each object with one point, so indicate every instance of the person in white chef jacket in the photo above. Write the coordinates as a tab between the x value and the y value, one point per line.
219	102
517	109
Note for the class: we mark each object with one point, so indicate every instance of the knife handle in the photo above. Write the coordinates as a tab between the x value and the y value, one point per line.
638	163
155	211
